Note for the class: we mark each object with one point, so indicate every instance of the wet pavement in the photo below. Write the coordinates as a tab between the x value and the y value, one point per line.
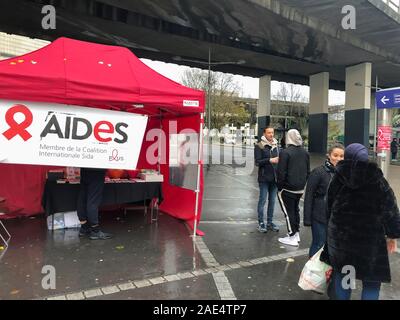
158	261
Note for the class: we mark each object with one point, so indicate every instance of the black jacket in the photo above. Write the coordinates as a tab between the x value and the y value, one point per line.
362	210
293	168
315	196
266	170
393	147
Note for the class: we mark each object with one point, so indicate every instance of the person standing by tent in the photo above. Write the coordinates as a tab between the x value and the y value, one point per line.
364	222
315	197
394	147
90	196
293	171
266	154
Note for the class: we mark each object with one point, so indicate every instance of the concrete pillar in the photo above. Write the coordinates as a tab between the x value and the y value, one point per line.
264	105
358	103
373	123
318	113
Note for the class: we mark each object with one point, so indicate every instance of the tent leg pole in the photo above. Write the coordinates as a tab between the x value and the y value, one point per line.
198	175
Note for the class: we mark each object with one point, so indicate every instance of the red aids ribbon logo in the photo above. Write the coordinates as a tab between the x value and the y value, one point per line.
15	127
380	134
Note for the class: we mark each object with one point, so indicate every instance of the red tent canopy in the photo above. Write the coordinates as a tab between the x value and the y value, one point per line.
88	74
74	72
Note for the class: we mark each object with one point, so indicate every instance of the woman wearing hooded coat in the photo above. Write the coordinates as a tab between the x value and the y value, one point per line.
363	222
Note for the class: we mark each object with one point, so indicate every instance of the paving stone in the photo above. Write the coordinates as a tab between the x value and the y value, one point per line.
142	283
126	286
171	278
110	289
57	298
157	280
92	293
75	296
185	275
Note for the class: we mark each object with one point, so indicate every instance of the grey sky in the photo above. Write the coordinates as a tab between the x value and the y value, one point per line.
249	85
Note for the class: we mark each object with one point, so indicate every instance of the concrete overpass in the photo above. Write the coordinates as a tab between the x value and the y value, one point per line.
287	40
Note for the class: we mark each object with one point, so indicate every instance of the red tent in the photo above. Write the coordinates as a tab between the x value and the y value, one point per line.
79	73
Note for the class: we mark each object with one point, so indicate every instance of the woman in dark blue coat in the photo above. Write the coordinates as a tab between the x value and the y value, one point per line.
315	215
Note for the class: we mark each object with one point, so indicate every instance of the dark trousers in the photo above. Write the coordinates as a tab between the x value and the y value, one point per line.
290	206
318	231
370	289
90	195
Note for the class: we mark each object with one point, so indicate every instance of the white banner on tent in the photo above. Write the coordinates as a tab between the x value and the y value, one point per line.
62	135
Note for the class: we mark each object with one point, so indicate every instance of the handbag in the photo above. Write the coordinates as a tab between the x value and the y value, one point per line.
316	274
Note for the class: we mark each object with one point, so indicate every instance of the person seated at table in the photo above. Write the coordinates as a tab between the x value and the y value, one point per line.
90	196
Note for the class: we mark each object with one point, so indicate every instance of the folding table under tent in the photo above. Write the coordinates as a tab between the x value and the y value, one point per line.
92	75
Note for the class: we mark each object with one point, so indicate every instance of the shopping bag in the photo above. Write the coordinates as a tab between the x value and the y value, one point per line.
63	220
315	275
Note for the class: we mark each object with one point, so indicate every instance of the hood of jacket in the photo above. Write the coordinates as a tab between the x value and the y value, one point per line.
293	137
356	174
265	142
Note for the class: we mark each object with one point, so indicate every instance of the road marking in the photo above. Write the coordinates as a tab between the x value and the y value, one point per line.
219	277
223	286
243	222
238	180
205	253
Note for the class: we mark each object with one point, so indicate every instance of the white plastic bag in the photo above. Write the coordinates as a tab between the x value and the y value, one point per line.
315	275
63	220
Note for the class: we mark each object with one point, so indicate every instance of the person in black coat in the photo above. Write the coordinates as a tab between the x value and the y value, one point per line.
293	171
89	199
394	147
315	197
363	222
266	154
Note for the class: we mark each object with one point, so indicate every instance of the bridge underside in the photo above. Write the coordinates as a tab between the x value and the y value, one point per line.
288	43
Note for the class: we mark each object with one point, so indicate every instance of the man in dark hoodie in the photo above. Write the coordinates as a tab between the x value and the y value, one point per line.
364	222
293	171
266	154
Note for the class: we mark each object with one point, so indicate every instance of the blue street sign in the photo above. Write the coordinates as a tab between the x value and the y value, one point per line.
388	98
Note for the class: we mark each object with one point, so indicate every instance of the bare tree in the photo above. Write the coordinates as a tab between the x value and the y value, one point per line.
196	79
288	92
223	88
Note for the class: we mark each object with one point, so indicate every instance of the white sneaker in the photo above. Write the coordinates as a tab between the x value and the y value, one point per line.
297	236
290	241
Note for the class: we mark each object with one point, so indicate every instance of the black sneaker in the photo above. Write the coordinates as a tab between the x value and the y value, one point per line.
84	230
273	227
261	228
99	235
